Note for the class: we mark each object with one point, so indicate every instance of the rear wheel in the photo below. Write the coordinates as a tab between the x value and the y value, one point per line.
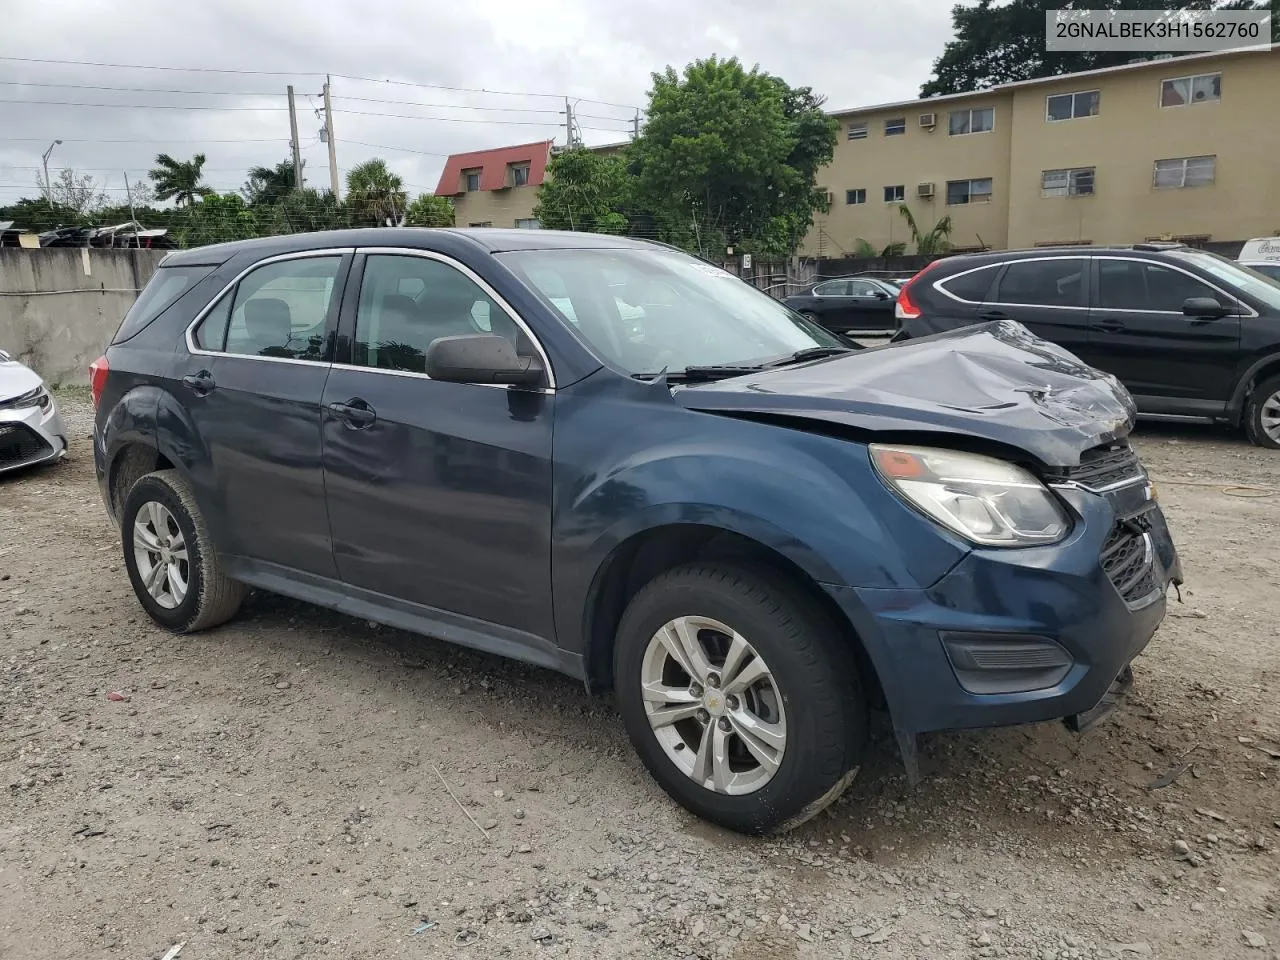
170	558
742	702
1262	418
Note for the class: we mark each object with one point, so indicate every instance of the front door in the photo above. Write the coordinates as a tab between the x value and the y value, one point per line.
439	493
252	387
1048	296
1170	362
870	307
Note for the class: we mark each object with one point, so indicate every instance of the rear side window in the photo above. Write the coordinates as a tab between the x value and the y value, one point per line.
166	286
1044	283
972	286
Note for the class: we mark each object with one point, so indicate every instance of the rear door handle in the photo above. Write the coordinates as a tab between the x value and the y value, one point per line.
993	315
355	412
1109	326
201	384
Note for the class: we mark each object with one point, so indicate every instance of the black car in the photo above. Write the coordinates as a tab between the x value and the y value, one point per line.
1189	333
848	304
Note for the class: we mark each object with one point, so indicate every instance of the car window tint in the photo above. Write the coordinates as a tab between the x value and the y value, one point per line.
832	288
280	309
972	286
862	288
1169	288
162	292
1122	285
394	330
1050	283
1135	285
211	334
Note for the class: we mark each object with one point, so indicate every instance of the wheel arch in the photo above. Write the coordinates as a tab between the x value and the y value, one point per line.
1258	372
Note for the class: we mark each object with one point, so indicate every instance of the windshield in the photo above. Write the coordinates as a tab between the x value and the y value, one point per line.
1244	279
649	310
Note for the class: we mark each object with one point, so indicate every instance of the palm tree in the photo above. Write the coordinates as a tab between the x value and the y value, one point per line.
268	185
374	193
936	241
179	181
864	250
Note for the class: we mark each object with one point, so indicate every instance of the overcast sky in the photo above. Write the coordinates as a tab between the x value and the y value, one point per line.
853	51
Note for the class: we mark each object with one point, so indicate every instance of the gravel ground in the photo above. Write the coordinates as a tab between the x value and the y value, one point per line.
300	784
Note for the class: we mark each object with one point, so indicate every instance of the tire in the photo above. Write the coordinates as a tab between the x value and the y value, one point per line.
209	598
1264	402
812	694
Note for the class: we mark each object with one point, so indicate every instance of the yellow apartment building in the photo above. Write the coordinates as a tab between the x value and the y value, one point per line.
1185	148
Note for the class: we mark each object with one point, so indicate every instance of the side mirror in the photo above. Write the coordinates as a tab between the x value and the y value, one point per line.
1205	308
881	295
481	358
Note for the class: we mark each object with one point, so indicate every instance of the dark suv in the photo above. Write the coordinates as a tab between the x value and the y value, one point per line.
611	459
1189	333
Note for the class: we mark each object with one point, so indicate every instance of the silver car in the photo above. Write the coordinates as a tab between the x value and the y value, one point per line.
31	429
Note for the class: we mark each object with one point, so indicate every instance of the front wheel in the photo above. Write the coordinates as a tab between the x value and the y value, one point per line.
1262	418
744	704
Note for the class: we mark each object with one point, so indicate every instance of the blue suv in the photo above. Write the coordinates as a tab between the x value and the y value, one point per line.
609	458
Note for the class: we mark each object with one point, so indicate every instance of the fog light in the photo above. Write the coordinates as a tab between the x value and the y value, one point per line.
991	663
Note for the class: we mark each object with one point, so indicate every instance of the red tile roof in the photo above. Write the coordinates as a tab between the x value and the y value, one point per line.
493	166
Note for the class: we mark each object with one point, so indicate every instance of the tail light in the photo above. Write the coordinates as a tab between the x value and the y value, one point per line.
98	371
906	308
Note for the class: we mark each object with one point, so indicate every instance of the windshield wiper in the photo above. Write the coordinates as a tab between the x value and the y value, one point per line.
809	353
721	371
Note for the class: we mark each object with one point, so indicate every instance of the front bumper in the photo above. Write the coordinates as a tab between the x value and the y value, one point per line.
1059	594
30	436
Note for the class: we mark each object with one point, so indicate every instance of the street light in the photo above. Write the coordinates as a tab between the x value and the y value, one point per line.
48	187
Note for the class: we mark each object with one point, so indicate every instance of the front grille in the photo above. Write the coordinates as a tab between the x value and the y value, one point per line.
1127	559
20	444
1102	467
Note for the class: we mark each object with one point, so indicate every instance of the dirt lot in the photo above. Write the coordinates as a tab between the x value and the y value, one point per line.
285	786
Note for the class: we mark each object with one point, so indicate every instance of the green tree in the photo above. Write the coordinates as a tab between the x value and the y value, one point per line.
268	185
178	180
1004	42
374	193
584	191
428	210
936	240
219	217
865	250
734	155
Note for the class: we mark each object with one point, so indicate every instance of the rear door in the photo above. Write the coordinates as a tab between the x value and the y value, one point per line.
1048	295
1170	362
252	383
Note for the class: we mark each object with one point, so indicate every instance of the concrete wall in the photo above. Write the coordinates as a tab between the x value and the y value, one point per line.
498	208
60	306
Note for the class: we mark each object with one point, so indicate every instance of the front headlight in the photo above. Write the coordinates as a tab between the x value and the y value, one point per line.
39	397
988	501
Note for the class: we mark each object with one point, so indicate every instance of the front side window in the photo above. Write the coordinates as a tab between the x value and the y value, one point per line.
407	303
968	191
1201	88
832	288
1073	182
977	120
863	288
895	193
1072	106
1184	172
649	310
1140	285
280	310
893	128
1059	282
1234	276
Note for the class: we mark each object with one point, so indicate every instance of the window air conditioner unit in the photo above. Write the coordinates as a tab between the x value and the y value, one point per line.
928	120
924	191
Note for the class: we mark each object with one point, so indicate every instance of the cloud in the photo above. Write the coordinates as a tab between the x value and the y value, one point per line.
852	53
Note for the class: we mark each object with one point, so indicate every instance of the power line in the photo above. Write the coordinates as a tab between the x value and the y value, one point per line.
47	138
138	106
92	86
507	123
380	146
496	93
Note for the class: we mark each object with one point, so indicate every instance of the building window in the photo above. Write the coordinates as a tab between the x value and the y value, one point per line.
855	196
895	194
1201	88
482	223
519	174
528	223
893	128
1072	106
857	131
968	191
1074	182
1184	172
977	120
471	179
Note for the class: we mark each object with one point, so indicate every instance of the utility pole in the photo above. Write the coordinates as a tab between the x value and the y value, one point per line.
293	142
132	216
48	186
333	149
570	126
635	126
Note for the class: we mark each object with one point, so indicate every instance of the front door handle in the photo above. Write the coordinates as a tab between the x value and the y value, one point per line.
355	412
1109	326
993	315
201	384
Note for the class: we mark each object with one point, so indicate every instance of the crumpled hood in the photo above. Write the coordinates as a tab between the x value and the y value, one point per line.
16	379
996	381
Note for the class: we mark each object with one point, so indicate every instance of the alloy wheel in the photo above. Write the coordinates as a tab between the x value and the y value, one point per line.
1269	417
160	551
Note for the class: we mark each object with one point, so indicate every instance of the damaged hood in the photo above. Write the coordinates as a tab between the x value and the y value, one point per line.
996	381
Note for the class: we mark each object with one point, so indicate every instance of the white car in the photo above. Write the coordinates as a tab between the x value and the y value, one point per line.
31	429
1262	254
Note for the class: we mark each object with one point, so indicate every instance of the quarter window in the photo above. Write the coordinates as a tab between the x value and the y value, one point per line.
1058	282
394	329
977	120
1073	182
893	128
1184	172
279	310
1201	88
1135	285
895	193
1072	106
968	191
972	287
857	131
